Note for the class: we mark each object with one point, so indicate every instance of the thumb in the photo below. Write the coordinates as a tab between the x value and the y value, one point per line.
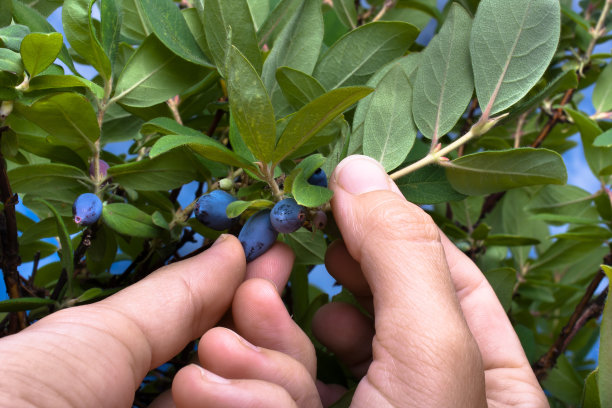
418	319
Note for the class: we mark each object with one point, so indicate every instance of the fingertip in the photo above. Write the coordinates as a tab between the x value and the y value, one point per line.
274	265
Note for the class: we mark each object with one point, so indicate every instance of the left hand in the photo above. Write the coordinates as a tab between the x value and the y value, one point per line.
97	355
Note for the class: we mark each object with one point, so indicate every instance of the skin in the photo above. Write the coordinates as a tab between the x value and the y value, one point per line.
439	335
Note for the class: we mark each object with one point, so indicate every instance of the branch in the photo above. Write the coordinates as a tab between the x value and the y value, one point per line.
584	311
9	259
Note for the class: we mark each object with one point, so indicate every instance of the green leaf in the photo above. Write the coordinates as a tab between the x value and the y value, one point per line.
159	173
155	74
39	50
604	140
45	178
237	207
222	17
103	250
111	20
602	93
80	33
129	220
346	12
135	25
65	241
564	382
10	61
11	36
598	158
490	172
303	192
388	129
6	14
204	146
315	116
24	303
276	21
259	11
46	228
309	247
510	240
562	201
561	83
170	27
425	6
68	117
502	280
250	106
361	52
444	83
29	17
590	395
428	185
298	87
89	294
297	47
511	45
605	350
56	82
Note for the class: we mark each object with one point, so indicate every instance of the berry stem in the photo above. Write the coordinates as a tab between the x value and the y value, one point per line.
438	156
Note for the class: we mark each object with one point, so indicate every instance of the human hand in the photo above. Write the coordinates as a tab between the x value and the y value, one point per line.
97	355
440	336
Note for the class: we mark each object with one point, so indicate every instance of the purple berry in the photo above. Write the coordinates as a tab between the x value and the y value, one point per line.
257	235
210	210
87	209
287	216
318	178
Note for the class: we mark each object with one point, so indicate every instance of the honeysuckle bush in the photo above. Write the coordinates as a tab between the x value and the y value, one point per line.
255	95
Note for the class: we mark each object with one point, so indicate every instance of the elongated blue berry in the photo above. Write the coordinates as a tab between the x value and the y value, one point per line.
257	235
210	210
287	216
87	209
318	178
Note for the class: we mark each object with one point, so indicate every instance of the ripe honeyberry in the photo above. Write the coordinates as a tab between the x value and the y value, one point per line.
287	216
210	210
87	209
257	235
318	178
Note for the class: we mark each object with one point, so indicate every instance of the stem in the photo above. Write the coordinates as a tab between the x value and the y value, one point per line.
599	31
268	172
518	133
386	6
480	128
173	104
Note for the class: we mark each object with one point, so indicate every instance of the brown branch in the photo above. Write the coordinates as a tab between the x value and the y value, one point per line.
556	117
584	311
9	258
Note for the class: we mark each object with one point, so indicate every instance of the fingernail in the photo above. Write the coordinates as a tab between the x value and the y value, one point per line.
246	343
361	174
212	377
219	240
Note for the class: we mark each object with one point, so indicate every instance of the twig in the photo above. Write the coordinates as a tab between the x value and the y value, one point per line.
599	29
567	97
173	104
9	259
518	133
584	311
34	268
216	120
386	6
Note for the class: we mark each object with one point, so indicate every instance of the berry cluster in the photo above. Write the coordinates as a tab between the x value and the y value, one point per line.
261	230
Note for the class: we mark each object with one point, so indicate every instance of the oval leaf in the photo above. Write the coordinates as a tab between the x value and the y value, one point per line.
315	116
361	52
490	172
22	304
129	220
511	45
250	106
39	50
389	131
445	83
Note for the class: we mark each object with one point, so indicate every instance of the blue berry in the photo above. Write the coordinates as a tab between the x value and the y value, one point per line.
87	209
287	216
257	235
318	178
210	210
